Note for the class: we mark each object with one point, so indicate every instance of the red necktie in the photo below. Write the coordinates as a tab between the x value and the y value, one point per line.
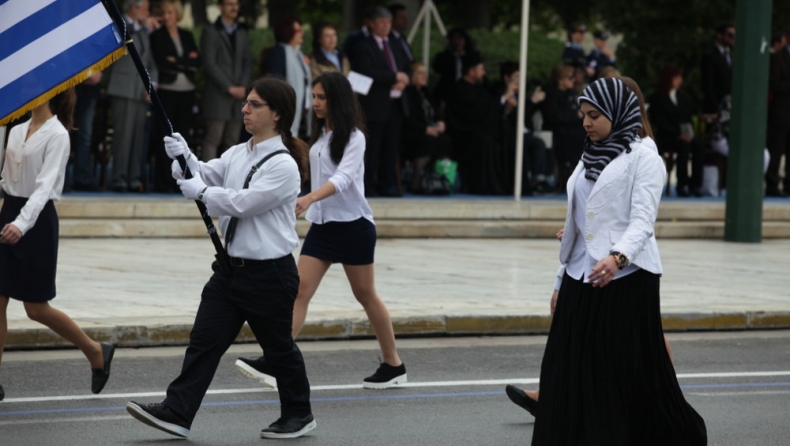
388	56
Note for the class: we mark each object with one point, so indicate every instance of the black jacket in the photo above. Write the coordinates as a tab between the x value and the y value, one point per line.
779	86
667	117
716	79
368	59
163	47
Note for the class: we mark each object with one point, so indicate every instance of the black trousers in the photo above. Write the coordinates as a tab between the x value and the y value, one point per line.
381	154
778	145
262	294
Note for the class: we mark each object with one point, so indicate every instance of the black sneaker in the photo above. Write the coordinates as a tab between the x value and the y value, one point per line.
2	393
291	428
522	400
385	377
257	369
159	416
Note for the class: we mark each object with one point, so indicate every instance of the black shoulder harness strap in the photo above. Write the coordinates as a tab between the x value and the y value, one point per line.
235	220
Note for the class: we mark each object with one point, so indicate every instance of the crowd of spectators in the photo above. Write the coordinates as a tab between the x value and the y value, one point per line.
468	117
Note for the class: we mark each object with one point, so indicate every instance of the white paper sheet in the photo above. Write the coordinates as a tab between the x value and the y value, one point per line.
360	83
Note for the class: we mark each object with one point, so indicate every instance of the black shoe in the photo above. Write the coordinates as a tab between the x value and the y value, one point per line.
385	377
119	188
2	393
85	188
159	416
291	428
392	192
521	399
100	376
683	191
775	193
257	369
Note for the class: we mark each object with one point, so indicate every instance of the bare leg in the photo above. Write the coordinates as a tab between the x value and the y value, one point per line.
61	324
3	324
533	395
311	271
362	285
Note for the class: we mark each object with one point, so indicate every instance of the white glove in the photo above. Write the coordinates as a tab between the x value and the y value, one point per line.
192	187
178	174
176	145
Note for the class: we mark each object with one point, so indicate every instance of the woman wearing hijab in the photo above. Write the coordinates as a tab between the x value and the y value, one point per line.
606	376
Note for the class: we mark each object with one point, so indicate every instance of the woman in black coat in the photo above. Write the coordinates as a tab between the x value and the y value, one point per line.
177	59
670	115
561	116
424	136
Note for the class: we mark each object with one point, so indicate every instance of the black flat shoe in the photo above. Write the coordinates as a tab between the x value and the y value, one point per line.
2	393
521	399
100	376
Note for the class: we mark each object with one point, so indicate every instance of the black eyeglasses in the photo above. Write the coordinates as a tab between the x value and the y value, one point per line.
254	104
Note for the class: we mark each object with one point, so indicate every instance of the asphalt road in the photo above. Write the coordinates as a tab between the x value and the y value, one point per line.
738	381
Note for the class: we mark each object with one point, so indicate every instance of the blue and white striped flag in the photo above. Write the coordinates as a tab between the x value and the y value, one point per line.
47	46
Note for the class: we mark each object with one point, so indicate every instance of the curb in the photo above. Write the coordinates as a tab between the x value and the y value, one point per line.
430	326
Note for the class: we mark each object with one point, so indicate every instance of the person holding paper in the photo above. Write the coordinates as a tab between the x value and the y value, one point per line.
376	57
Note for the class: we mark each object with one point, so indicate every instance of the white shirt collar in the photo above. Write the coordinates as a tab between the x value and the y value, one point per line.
267	146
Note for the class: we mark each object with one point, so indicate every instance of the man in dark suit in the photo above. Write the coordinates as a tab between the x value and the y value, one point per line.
717	69
129	102
779	121
376	57
400	23
227	62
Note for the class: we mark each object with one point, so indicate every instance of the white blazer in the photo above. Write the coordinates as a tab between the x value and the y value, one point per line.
621	209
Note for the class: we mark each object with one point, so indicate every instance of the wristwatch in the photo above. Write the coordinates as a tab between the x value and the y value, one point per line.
620	258
200	195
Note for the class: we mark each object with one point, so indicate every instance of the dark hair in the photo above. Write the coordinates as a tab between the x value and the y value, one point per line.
469	61
722	28
507	68
284	31
665	78
62	106
343	111
646	129
469	43
281	98
559	72
777	37
395	7
318	54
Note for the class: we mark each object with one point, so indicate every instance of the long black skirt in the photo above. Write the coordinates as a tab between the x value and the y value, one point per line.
606	377
28	267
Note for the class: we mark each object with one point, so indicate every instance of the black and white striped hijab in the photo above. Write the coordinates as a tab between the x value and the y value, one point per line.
620	105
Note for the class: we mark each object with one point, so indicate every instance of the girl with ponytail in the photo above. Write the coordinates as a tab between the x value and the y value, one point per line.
33	174
342	229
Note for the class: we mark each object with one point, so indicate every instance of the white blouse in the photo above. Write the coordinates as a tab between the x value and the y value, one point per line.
267	221
348	202
35	169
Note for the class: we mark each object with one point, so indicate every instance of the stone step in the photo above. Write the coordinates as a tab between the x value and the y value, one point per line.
406	209
193	227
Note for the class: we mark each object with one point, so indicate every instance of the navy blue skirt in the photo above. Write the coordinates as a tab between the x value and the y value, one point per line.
346	242
27	268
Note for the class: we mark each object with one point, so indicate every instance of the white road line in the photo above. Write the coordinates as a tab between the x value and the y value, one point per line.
756	392
461	384
17	422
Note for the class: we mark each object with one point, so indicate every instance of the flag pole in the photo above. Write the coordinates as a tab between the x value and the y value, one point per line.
115	13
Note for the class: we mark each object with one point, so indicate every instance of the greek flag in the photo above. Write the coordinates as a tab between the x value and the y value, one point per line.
47	46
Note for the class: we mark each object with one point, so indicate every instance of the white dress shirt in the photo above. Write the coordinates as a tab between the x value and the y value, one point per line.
266	209
35	169
348	203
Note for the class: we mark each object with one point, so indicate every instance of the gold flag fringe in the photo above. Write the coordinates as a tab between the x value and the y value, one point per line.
76	80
